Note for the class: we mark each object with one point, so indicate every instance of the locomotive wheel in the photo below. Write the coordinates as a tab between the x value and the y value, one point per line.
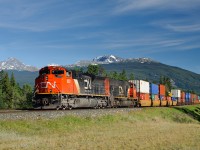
57	108
70	107
64	107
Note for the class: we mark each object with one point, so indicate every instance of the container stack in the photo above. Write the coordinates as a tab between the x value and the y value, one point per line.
187	98
182	98
176	96
196	100
162	95
142	89
154	94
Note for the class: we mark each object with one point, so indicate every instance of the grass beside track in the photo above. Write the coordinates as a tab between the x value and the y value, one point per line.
150	128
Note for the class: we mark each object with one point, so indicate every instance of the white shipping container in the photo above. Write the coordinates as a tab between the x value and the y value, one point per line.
141	86
176	93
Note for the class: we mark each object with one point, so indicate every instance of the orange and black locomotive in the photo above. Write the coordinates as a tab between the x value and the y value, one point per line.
57	87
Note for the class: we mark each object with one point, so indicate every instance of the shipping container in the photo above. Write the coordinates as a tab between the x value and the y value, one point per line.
143	96
162	90
192	98
154	89
162	98
176	93
154	97
182	97
187	98
141	86
168	98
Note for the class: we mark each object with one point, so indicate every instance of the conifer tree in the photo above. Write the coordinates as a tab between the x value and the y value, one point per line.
1	91
122	75
131	76
93	69
7	91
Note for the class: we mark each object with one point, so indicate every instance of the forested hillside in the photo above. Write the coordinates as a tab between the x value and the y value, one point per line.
12	95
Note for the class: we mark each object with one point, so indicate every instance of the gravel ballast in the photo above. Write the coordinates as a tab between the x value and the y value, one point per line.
51	114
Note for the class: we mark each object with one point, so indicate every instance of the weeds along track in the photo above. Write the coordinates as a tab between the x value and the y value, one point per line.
51	114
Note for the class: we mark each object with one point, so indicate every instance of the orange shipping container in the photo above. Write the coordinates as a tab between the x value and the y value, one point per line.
143	96
156	97
182	97
168	98
192	98
162	89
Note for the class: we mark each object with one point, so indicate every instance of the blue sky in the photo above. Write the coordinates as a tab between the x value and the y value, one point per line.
40	32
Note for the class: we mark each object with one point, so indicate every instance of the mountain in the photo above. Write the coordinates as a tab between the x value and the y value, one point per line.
152	71
147	69
15	64
142	68
107	59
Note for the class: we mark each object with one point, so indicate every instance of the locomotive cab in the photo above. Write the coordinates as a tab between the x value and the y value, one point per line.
49	85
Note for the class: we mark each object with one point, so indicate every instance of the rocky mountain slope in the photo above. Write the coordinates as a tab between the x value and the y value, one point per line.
15	64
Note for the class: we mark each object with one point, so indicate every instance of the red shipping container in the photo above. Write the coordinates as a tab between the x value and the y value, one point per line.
182	97
162	89
156	97
168	98
192	98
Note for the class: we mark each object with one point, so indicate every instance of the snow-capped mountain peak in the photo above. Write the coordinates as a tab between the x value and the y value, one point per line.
14	64
107	59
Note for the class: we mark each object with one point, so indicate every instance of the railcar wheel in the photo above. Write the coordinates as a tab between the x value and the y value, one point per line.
57	108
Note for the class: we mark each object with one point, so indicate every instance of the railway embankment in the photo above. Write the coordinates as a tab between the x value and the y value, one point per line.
123	128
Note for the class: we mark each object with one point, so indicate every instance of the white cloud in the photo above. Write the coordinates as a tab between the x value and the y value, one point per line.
124	6
183	28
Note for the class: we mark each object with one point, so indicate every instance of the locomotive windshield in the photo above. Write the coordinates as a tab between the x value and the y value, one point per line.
58	72
45	71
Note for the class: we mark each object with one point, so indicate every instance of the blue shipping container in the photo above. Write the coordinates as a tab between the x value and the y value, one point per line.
174	98
154	89
161	97
187	97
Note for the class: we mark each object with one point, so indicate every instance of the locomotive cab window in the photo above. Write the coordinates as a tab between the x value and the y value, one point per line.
68	73
45	71
58	72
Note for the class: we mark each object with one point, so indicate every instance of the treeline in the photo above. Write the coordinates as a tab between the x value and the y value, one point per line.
12	96
99	70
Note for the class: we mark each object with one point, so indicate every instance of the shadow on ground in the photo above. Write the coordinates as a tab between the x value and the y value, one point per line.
195	113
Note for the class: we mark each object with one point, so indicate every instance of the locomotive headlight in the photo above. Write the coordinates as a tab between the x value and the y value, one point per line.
46	78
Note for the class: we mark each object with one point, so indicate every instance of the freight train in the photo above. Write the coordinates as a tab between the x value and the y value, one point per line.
60	88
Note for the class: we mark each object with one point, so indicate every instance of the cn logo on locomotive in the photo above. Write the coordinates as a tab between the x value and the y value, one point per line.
44	85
